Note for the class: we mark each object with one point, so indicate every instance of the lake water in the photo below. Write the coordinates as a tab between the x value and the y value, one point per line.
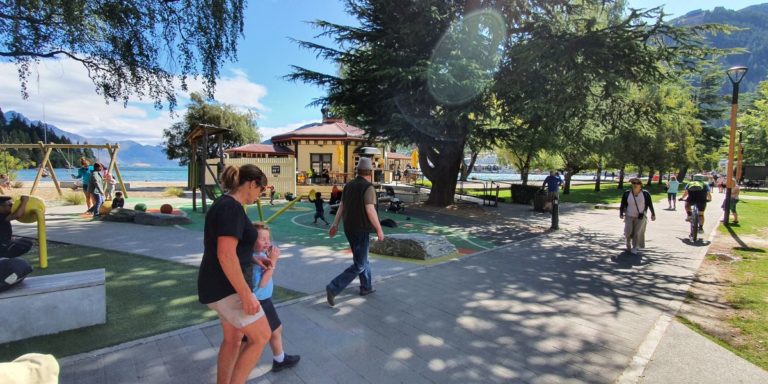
128	173
177	174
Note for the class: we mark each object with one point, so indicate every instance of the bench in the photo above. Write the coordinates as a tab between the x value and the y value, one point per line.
43	305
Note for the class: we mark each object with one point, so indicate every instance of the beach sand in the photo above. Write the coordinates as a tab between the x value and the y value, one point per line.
144	189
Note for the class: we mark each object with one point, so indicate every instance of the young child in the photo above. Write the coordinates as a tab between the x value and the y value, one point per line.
5	184
319	213
118	201
262	288
96	188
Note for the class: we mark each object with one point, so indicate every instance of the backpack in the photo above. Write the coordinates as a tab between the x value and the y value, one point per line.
695	186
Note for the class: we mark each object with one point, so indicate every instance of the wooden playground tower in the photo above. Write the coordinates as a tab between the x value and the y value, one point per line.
112	149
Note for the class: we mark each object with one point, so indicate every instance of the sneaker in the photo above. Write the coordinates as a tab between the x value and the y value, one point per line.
634	251
688	219
289	361
330	297
366	292
701	229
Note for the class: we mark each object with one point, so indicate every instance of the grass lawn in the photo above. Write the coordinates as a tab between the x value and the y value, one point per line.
145	296
748	290
585	193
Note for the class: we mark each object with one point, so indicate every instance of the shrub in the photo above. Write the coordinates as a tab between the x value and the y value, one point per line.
20	184
74	198
173	192
141	207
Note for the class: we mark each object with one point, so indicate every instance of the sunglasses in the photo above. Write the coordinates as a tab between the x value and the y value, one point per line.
636	183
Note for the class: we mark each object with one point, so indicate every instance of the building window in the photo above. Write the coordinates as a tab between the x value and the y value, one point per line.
320	161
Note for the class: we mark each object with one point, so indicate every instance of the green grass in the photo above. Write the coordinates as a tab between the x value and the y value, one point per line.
145	296
585	193
752	218
750	290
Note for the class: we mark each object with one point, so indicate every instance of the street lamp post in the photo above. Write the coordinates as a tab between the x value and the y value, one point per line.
735	74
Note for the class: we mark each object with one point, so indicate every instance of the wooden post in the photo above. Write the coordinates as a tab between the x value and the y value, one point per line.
41	167
113	163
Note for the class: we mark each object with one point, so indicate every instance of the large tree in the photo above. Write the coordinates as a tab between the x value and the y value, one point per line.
129	48
241	124
421	71
755	127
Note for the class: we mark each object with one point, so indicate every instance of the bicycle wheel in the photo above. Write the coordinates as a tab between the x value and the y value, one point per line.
695	224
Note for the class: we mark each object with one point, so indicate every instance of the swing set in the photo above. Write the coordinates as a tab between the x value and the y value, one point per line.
46	166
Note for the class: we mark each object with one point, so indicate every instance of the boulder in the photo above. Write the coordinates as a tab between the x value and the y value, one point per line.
151	218
414	246
120	215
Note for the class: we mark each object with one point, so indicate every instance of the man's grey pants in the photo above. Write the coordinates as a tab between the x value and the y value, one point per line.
634	231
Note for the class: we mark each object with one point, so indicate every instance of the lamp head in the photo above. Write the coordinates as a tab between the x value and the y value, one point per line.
736	74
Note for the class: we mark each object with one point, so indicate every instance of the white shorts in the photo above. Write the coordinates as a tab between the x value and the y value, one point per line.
231	310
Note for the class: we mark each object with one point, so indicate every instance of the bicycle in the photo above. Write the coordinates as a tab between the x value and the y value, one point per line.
694	234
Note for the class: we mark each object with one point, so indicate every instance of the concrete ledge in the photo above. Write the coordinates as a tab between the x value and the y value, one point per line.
44	305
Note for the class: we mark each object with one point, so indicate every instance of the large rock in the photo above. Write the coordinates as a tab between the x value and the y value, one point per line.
414	246
151	218
120	215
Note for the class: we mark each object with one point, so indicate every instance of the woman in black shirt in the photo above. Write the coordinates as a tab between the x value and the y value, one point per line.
226	272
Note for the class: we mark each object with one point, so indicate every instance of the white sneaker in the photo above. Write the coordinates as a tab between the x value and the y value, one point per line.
634	251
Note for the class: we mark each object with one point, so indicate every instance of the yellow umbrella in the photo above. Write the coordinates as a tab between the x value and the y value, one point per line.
415	158
340	155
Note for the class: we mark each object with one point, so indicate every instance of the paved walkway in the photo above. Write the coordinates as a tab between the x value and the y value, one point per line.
561	307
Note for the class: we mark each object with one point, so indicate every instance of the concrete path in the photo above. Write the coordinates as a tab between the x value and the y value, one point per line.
561	307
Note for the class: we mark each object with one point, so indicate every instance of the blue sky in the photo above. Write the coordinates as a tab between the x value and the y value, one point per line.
254	82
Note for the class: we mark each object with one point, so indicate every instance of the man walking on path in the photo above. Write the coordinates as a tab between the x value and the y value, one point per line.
358	211
552	183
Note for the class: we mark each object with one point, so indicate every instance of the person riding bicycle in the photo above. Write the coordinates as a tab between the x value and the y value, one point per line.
697	192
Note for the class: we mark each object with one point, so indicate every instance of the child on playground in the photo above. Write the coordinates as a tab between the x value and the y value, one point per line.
109	182
319	213
118	201
96	189
263	286
5	184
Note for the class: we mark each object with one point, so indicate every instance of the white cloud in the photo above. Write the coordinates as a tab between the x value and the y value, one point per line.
61	94
268	132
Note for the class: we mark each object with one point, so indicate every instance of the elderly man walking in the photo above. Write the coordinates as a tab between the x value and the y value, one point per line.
358	210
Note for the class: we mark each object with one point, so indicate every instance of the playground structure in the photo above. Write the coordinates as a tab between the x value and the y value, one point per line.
198	140
35	212
45	165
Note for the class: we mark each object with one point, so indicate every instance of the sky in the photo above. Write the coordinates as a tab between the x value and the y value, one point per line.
61	93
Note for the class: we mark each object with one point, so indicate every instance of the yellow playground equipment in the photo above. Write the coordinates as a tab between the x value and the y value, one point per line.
35	212
310	197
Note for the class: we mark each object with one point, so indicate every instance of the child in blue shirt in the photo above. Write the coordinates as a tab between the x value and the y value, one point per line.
263	286
319	212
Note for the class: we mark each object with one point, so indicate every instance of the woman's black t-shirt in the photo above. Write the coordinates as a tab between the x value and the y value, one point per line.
225	218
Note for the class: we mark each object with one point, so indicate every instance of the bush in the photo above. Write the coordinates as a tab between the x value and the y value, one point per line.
523	194
20	184
173	192
74	198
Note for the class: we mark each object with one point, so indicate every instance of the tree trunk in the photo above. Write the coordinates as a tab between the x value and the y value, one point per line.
466	170
650	177
568	175
446	160
661	173
681	173
620	185
525	170
599	175
639	172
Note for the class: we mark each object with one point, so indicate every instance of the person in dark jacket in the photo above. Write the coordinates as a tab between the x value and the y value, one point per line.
358	209
635	204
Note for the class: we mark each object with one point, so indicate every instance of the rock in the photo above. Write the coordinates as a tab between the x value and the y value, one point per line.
151	218
120	215
414	246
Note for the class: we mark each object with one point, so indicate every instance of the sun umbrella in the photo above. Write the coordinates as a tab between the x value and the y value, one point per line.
415	158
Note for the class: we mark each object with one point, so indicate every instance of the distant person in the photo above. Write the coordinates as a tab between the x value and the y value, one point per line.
5	184
635	204
672	187
84	174
326	176
11	246
96	189
319	212
335	196
271	194
553	183
358	210
697	192
735	190
263	285
720	184
109	183
225	277
118	201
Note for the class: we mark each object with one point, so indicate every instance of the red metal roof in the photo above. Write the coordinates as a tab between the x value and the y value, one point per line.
261	148
328	129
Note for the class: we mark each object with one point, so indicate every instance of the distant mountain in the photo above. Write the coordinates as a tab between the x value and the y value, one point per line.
754	19
131	153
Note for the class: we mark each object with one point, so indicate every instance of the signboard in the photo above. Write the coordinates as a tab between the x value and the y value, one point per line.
275	169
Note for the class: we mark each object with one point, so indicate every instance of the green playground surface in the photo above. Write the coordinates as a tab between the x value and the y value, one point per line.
295	225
